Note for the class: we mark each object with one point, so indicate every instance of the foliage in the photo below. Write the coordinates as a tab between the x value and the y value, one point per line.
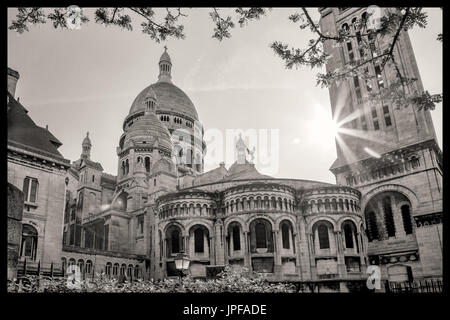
227	281
391	24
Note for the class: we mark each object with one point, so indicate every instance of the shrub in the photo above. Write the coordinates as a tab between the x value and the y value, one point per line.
227	281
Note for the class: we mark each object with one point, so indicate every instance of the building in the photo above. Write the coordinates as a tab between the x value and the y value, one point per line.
161	204
391	154
36	167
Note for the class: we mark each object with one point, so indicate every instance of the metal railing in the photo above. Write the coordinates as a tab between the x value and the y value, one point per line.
420	286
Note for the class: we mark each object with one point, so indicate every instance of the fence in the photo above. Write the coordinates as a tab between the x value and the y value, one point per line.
30	267
422	286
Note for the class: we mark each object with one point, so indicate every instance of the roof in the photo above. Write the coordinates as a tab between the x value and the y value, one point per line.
51	137
92	164
244	171
165	57
169	97
23	130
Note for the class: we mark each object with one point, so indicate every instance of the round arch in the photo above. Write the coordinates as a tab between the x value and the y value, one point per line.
410	195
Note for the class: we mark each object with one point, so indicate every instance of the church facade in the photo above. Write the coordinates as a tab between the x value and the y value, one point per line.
383	210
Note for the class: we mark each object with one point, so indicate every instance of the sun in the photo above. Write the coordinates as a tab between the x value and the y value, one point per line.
321	128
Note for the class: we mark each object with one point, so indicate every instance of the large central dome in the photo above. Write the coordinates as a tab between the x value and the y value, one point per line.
170	98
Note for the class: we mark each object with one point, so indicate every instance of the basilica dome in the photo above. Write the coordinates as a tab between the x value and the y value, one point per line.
169	98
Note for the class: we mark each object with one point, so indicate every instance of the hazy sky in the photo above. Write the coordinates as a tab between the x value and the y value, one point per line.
85	80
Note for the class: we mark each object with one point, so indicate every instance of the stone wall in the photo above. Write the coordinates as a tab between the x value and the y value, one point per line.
15	208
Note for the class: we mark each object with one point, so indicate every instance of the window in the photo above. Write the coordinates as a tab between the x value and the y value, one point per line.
130	270
147	164
285	236
80	264
348	235
376	125
175	237
406	216
261	236
324	241
198	239
29	242
108	268
236	238
88	267
387	117
123	269
388	217
363	122
379	77
30	189
116	269
140	224
93	178
372	227
351	55
357	89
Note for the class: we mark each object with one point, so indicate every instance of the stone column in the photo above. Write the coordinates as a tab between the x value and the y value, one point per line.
247	253
219	247
276	252
340	254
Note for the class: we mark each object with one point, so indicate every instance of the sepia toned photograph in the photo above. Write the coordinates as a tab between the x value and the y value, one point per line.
225	150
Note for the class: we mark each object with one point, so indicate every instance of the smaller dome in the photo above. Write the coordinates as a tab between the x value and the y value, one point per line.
149	130
165	56
86	140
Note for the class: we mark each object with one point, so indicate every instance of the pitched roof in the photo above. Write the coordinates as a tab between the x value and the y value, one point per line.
22	131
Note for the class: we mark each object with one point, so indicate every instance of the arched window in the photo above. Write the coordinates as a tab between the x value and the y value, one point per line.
88	267
285	236
123	269
108	268
348	235
72	262
236	238
130	270
29	242
80	264
324	241
174	240
30	189
116	269
388	217
372	227
261	237
198	240
147	164
406	217
127	167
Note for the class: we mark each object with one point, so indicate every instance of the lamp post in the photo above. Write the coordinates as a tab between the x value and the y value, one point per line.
182	264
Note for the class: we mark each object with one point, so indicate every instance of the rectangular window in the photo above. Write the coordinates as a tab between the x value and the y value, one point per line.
140	224
387	116
363	123
379	77
30	189
376	125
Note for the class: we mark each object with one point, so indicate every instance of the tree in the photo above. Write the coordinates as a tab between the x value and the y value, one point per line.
394	21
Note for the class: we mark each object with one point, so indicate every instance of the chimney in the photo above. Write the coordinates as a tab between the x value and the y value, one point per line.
13	77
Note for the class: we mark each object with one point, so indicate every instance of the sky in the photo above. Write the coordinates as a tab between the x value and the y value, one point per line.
83	80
